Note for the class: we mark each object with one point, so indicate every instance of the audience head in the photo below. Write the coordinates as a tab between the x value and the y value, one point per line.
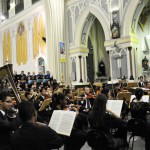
28	95
139	94
27	111
43	91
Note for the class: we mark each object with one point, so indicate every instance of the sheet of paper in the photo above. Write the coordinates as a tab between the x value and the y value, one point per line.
115	106
62	121
145	98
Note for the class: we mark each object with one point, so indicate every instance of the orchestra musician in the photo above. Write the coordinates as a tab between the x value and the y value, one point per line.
87	101
33	135
104	120
68	96
141	83
139	110
78	137
44	114
6	125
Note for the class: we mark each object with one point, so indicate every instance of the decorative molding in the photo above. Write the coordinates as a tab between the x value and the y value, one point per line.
122	41
82	50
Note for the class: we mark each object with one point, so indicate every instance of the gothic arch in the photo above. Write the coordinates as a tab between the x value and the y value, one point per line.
99	15
129	16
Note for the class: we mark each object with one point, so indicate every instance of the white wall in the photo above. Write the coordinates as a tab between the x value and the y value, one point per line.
27	16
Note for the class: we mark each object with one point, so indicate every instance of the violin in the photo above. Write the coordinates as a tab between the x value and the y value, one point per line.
91	96
72	107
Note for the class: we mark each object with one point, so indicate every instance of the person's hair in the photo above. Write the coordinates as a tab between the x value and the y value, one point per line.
99	109
57	98
105	91
27	93
26	110
139	94
4	95
41	90
66	91
141	77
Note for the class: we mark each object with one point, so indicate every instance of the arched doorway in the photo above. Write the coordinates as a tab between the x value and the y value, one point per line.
143	34
41	65
93	36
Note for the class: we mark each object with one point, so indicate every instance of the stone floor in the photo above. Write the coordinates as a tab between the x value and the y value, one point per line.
138	145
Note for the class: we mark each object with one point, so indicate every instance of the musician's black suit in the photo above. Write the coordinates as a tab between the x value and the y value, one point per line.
6	127
141	84
83	102
33	137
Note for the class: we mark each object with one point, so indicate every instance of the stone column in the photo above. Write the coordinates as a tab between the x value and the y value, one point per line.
54	16
131	69
80	62
109	68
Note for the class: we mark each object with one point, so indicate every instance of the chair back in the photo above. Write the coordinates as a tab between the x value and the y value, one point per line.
136	126
97	139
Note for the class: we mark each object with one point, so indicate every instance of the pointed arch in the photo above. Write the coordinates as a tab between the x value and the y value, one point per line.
99	15
129	15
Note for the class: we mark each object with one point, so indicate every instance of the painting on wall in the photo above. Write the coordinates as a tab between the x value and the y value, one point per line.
62	47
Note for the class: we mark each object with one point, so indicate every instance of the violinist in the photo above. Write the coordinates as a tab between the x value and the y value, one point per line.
68	94
59	101
78	137
7	125
86	103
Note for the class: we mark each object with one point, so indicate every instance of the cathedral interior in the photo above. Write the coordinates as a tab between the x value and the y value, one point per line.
77	44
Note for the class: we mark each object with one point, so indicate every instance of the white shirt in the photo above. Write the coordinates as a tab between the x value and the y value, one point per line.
3	112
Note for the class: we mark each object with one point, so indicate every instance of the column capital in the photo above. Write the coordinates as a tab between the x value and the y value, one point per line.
80	56
108	52
129	48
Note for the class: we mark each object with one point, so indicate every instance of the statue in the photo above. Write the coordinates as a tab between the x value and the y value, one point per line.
145	63
101	68
115	30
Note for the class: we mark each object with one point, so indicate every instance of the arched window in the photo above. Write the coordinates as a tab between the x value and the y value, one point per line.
41	65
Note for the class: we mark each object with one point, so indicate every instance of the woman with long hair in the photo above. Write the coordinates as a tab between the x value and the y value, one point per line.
104	120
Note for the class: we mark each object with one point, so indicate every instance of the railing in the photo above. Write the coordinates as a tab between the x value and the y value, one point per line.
34	1
19	7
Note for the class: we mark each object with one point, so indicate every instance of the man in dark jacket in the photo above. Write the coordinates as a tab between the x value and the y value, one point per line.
33	135
6	126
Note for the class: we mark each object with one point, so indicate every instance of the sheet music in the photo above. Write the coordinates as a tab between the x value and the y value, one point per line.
62	121
145	98
115	106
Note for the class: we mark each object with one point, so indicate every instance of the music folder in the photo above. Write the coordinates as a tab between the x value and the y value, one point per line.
45	104
62	121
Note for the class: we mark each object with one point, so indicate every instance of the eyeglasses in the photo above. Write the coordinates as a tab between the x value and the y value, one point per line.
8	101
